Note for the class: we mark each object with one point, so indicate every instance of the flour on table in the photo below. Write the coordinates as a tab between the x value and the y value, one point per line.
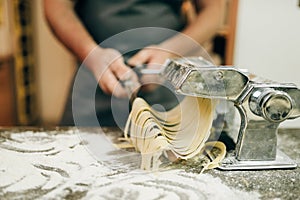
58	166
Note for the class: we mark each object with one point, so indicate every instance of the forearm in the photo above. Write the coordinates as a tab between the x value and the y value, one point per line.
207	22
68	28
203	28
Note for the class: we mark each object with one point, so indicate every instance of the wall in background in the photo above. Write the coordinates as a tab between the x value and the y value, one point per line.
55	69
7	92
268	41
5	29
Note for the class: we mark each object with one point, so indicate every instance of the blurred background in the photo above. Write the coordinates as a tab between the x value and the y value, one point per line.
35	70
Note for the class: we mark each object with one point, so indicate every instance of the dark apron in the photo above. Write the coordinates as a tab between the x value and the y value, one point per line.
104	19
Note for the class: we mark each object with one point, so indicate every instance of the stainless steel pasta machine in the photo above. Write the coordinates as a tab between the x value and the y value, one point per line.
261	103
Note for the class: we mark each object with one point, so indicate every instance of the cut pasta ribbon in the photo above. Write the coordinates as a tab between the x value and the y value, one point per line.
216	152
182	130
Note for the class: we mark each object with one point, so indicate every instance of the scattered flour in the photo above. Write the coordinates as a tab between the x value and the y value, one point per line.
56	166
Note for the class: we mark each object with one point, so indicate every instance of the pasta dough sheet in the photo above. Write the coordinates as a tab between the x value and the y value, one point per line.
182	130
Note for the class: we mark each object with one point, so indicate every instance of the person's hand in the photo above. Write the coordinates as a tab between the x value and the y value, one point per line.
154	57
109	69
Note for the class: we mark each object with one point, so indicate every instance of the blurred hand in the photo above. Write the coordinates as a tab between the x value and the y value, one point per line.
154	57
109	69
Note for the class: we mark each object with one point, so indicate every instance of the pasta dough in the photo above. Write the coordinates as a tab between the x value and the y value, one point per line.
182	130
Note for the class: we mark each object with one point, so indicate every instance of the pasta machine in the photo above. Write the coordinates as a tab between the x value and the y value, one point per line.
262	105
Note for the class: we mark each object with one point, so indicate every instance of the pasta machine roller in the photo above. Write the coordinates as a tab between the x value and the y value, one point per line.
262	105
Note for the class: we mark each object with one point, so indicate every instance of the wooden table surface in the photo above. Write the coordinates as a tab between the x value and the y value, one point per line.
71	163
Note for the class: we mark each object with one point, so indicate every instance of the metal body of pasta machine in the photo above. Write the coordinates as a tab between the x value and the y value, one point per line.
262	105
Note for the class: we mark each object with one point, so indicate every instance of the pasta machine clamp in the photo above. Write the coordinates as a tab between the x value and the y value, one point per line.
262	105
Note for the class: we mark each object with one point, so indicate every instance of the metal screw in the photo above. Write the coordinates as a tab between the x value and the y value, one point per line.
219	75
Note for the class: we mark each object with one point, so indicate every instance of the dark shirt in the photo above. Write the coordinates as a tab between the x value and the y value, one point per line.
105	18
